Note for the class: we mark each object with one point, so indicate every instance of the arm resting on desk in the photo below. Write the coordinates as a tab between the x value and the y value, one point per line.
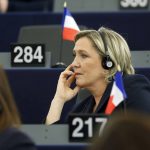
54	111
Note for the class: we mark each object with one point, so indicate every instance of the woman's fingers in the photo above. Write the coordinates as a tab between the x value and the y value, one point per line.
69	68
68	72
70	79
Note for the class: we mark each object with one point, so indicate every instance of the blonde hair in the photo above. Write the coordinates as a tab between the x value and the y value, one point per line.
117	47
9	116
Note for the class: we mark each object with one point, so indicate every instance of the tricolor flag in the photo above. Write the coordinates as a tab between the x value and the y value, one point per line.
70	27
117	95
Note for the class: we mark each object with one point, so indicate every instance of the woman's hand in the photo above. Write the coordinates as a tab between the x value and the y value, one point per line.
64	92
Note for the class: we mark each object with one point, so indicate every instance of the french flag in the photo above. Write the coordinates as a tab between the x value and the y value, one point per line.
117	95
70	27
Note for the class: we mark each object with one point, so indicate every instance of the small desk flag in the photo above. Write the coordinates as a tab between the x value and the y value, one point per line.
70	27
117	95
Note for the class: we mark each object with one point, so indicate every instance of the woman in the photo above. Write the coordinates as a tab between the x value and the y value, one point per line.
11	138
97	55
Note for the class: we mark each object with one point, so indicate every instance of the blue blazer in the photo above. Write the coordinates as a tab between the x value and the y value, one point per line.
137	88
14	139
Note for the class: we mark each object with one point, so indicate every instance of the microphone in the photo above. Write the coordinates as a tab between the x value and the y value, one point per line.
59	65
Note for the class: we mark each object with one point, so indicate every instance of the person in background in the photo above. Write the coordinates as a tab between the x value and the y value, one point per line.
11	137
30	6
97	55
124	133
4	6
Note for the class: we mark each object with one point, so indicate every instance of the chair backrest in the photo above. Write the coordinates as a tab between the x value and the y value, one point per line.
82	95
5	59
50	35
141	59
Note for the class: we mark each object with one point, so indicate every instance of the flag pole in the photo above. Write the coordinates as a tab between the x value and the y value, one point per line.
61	64
61	39
124	102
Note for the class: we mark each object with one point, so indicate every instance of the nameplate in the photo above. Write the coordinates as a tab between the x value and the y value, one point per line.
83	127
27	55
134	4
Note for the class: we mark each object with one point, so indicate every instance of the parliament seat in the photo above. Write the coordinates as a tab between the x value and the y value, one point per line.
51	36
134	26
141	59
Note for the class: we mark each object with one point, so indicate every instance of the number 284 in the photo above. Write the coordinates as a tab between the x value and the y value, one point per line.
27	54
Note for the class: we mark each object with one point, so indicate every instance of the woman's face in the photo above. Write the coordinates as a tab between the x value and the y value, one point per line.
87	64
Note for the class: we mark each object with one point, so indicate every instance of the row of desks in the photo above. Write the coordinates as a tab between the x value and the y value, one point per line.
34	89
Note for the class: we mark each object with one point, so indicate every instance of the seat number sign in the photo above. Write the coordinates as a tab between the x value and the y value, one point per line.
84	127
27	55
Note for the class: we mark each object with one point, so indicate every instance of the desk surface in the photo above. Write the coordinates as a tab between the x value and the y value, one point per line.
49	135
